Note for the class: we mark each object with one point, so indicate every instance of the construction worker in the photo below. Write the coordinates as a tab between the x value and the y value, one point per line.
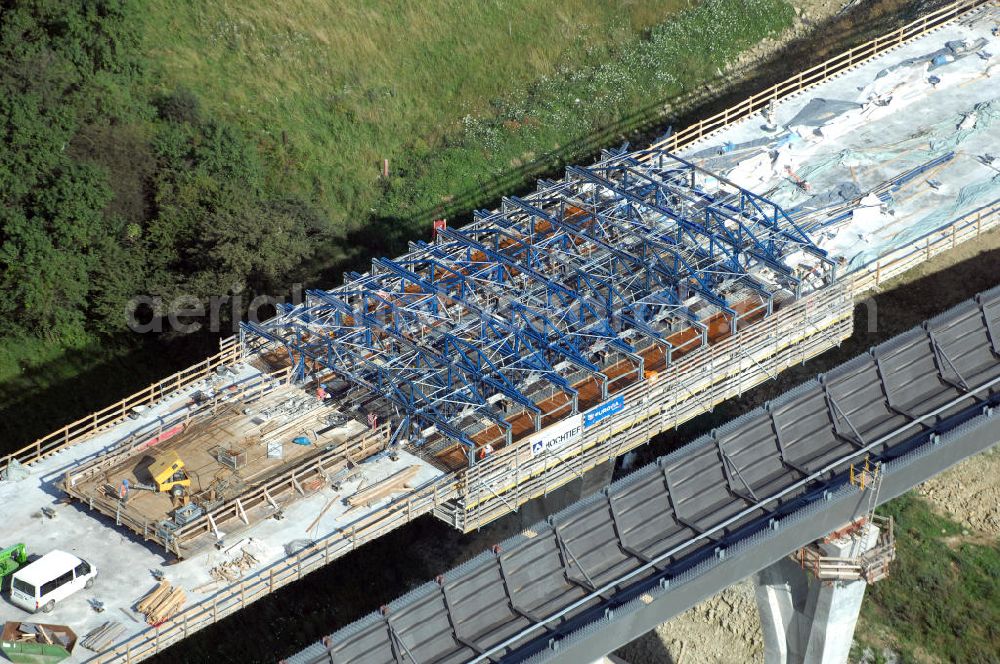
321	392
485	451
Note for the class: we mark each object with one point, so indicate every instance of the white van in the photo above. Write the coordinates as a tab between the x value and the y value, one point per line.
50	579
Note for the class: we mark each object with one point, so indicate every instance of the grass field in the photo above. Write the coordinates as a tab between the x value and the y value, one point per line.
331	89
468	101
453	94
942	600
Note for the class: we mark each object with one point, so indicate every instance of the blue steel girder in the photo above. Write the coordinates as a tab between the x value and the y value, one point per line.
596	325
586	321
645	267
473	358
696	233
415	403
640	266
565	240
570	343
551	335
637	267
525	333
638	317
341	355
444	277
708	230
650	259
493	330
606	288
496	332
472	370
636	224
715	215
556	294
379	300
676	266
584	313
422	364
762	204
751	207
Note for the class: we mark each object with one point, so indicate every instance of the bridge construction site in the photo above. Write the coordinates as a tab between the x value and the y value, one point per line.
503	359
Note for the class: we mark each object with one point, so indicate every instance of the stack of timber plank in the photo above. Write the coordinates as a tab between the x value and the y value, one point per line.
161	603
100	638
381	489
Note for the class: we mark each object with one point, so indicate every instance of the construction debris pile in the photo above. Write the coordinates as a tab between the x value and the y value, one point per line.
233	570
29	632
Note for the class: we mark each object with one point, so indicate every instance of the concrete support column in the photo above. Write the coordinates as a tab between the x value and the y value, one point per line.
809	608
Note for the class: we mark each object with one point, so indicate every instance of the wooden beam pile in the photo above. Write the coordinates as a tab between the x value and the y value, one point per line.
161	603
390	485
233	570
100	638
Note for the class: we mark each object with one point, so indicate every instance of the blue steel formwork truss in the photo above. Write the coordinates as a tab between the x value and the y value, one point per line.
547	291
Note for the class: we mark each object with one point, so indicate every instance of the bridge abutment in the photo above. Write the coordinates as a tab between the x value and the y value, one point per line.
809	603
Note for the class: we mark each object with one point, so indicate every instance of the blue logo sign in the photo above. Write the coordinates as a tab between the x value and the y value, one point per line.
606	409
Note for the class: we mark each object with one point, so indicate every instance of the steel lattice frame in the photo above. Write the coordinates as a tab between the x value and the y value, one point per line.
586	272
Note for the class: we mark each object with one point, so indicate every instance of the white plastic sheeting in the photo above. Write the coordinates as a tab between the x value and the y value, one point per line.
857	133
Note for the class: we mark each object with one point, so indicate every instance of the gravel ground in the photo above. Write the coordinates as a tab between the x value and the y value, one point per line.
722	630
969	493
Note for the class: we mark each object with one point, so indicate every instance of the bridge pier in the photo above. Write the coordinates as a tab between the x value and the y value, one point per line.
809	602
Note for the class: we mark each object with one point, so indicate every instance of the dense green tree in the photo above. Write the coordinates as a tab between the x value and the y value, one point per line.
111	189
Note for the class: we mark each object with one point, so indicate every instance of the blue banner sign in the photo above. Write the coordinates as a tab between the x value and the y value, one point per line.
606	409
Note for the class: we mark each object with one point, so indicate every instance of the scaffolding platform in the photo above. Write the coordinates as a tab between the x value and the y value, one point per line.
247	454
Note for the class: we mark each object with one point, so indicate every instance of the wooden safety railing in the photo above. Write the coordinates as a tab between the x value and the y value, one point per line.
693	385
100	420
895	263
139	441
236	596
514	469
819	73
244	392
86	426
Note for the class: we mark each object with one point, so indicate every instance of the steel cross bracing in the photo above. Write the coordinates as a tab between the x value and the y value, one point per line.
737	484
519	306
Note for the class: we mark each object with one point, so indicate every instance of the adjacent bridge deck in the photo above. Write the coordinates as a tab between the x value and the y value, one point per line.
611	567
